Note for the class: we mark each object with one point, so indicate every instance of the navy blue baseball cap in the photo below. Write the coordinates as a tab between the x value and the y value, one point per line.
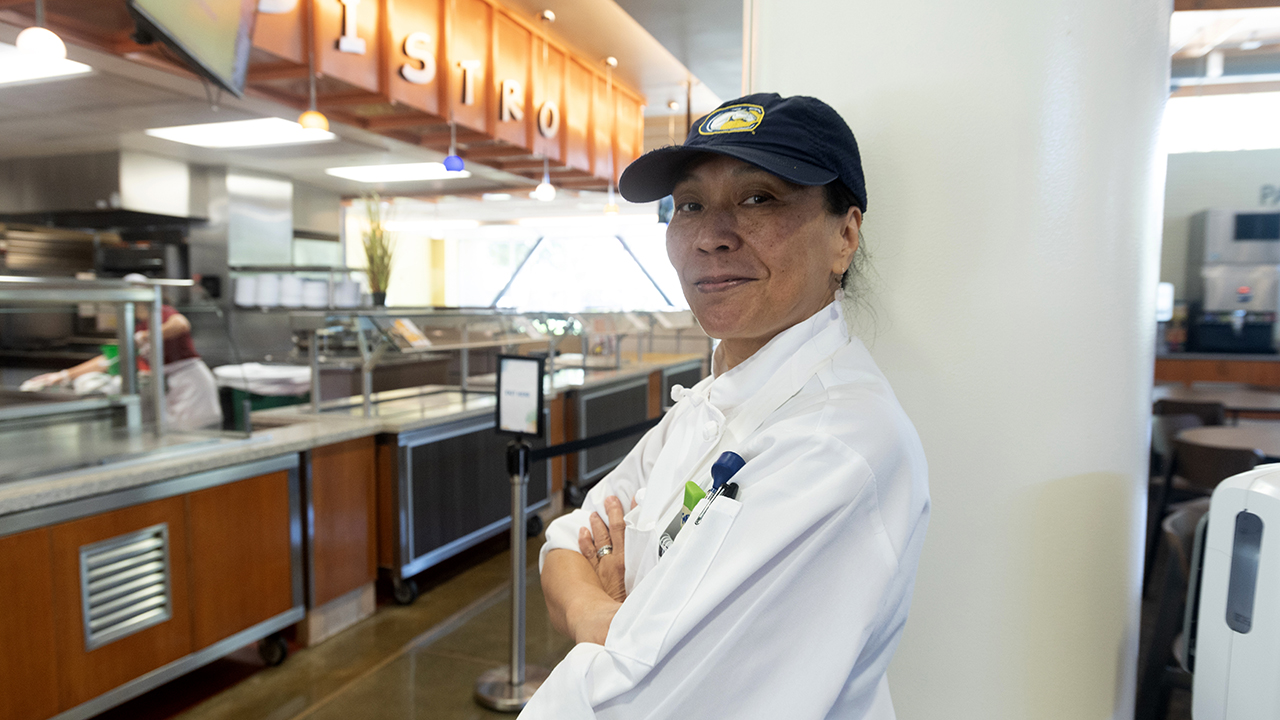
800	139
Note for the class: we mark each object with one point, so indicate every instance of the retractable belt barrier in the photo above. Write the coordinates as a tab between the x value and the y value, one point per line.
508	688
587	443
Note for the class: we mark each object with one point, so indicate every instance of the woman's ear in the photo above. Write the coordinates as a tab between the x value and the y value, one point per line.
850	236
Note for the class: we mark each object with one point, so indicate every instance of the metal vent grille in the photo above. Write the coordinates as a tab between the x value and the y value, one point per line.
124	585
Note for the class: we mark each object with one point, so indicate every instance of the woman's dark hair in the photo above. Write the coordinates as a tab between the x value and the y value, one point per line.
838	197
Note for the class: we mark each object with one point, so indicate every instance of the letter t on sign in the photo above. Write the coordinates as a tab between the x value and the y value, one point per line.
469	68
350	42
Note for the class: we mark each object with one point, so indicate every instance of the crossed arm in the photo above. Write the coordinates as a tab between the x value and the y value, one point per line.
584	590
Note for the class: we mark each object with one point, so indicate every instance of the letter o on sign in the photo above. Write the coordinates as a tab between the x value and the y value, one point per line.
549	119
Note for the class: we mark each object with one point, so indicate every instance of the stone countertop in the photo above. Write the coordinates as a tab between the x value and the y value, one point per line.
290	430
178	460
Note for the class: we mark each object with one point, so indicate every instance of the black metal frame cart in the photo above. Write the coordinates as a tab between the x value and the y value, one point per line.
446	489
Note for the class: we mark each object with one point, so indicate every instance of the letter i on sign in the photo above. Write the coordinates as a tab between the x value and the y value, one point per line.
350	42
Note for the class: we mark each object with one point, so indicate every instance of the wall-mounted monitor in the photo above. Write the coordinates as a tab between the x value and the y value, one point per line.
213	37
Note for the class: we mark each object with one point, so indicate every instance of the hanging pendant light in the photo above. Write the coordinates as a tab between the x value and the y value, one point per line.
41	40
545	191
612	207
312	119
609	64
452	162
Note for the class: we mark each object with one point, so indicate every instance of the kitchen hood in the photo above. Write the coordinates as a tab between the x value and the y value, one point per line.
100	190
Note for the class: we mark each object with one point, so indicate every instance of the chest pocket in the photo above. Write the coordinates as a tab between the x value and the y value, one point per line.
653	614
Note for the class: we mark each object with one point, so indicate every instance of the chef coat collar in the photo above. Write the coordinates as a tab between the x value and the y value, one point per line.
729	390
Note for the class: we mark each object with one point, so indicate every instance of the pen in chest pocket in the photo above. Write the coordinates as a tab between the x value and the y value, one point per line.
725	467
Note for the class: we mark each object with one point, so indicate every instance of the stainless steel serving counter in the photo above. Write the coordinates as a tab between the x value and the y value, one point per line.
48	467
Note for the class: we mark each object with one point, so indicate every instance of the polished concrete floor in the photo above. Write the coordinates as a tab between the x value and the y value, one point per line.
414	662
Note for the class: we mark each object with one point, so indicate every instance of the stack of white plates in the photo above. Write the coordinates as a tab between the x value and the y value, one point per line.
290	291
315	293
265	379
246	290
347	294
268	294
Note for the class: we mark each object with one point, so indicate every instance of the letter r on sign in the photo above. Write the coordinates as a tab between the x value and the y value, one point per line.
512	101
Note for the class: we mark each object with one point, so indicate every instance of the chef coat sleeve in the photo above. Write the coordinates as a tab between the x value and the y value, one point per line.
787	604
625	481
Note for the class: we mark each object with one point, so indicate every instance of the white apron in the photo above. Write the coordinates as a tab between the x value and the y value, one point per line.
788	601
191	396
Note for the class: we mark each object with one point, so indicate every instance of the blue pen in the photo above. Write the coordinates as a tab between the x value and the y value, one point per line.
725	467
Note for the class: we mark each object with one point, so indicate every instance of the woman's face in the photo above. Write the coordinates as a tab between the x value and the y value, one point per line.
755	253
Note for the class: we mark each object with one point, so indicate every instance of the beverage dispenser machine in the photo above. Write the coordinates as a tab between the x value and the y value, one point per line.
1233	281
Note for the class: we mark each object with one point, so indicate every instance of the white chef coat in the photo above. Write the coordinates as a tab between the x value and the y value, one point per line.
788	601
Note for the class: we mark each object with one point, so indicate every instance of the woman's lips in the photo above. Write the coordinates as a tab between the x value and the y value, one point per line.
720	283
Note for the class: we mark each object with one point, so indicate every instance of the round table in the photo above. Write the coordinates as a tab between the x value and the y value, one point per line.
1263	436
1235	399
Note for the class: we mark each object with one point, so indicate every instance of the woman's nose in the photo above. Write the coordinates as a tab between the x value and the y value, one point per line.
718	232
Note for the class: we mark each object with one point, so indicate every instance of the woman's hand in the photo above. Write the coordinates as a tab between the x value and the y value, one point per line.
610	567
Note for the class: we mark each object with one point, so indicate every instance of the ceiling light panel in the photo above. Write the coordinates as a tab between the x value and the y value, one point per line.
261	132
21	66
1218	123
400	172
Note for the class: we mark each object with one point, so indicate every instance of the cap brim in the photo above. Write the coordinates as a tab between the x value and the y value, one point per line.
654	175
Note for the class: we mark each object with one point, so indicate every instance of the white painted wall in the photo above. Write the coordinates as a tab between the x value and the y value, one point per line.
1014	220
1200	181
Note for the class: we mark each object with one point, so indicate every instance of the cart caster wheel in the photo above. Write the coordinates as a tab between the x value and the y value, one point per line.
533	526
406	592
273	650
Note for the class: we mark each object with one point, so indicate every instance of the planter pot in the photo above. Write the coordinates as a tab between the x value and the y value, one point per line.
379	299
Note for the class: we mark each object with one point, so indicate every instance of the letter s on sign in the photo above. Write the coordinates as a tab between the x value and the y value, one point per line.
417	46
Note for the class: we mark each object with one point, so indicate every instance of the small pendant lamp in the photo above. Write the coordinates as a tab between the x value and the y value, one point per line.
312	119
41	40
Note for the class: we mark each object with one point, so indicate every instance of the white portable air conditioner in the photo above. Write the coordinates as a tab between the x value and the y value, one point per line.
1237	656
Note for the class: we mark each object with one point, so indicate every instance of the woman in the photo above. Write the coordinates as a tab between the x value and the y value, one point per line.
191	393
787	600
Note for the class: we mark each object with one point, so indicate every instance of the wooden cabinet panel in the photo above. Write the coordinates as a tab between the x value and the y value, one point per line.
342	503
470	41
512	49
655	394
283	35
421	20
363	70
548	85
388	482
628	131
602	110
575	121
240	542
28	663
84	674
1265	373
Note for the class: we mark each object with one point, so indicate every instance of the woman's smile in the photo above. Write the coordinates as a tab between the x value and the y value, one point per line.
721	283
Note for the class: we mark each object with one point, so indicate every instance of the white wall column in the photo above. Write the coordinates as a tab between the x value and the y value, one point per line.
1015	189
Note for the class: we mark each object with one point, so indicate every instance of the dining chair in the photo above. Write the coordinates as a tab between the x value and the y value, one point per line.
1210	413
1201	468
1167	657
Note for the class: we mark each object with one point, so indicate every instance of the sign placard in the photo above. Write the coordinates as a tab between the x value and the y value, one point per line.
519	408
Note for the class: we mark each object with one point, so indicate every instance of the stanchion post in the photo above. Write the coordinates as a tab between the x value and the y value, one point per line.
508	689
518	467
